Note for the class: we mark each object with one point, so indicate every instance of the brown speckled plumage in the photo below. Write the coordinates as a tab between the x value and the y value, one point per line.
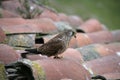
56	45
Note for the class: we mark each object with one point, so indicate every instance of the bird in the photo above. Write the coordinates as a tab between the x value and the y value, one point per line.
55	46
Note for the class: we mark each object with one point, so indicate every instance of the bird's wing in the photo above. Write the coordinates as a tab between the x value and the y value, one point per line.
52	47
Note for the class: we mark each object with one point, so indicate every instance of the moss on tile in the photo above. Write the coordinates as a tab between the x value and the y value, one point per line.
39	73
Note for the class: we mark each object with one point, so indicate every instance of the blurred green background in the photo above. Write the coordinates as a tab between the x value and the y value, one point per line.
106	11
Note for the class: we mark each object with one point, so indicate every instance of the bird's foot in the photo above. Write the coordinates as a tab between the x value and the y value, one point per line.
58	57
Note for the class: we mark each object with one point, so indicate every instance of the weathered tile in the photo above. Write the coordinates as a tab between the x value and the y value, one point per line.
91	25
8	54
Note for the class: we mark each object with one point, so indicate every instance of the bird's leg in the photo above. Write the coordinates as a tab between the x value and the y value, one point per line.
58	57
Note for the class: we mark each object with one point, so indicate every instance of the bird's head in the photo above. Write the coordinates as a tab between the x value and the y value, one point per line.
70	33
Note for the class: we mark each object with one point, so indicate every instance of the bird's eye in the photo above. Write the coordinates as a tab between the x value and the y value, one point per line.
71	33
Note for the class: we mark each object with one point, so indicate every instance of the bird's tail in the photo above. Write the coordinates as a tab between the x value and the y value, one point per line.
32	50
29	51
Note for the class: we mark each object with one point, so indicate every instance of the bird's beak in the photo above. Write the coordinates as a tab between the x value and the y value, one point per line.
74	36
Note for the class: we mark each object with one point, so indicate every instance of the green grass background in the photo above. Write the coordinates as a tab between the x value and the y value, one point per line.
106	11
